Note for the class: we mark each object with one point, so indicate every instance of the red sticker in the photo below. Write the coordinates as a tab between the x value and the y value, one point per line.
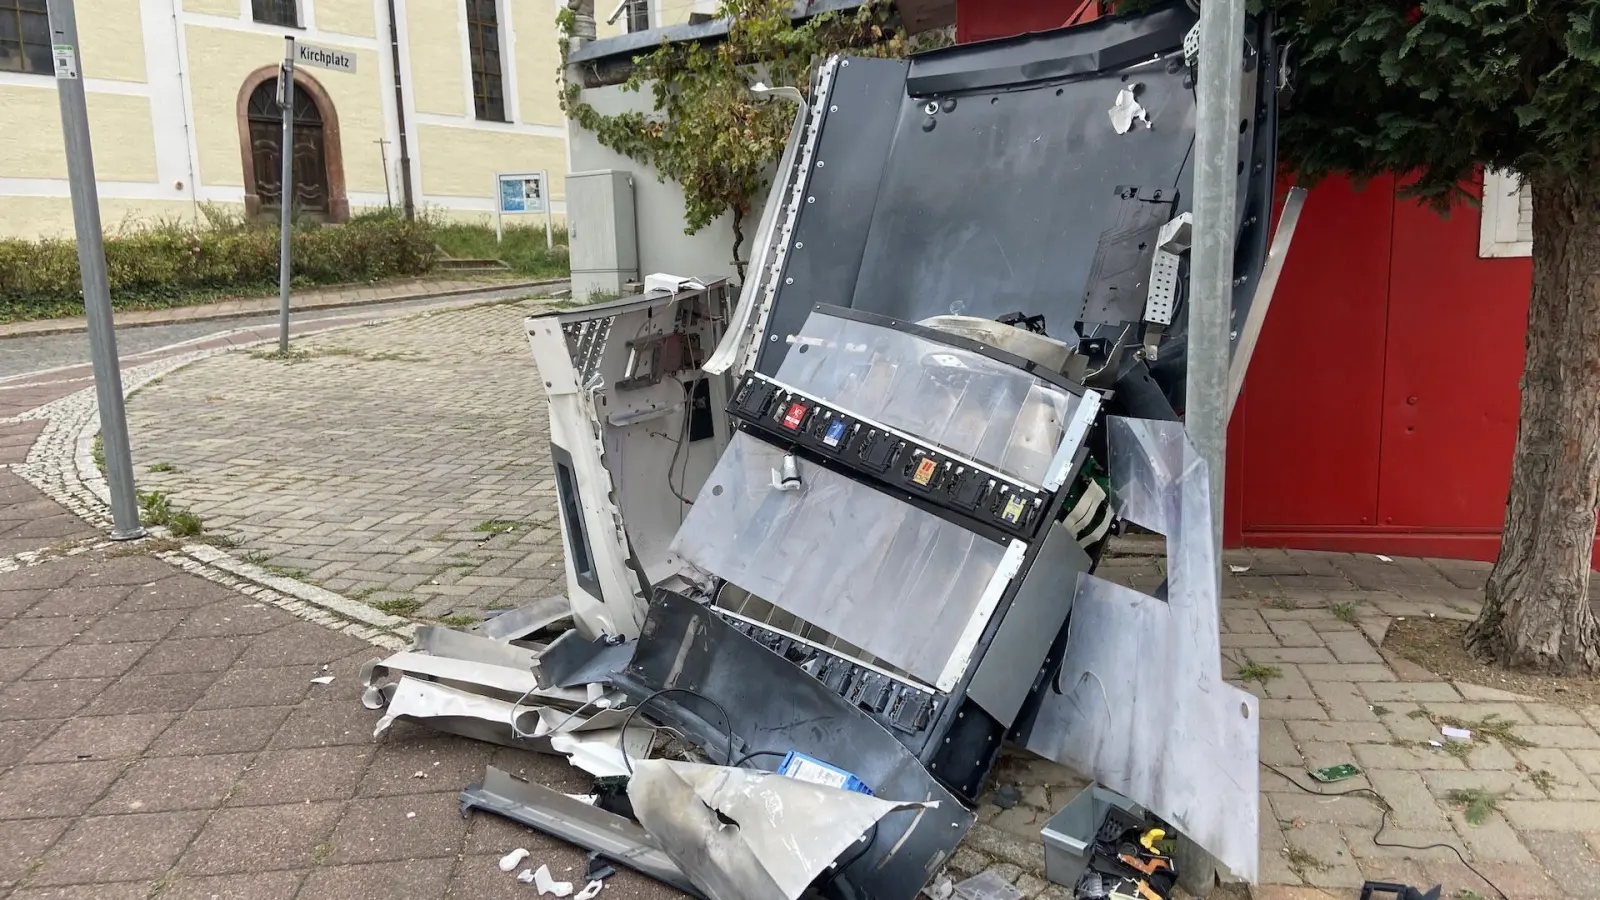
795	415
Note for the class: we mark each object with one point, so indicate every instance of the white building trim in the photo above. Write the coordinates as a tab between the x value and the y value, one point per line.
250	26
550	131
1506	229
92	85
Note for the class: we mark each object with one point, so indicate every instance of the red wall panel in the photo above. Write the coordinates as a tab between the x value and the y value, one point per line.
982	20
1456	329
1307	426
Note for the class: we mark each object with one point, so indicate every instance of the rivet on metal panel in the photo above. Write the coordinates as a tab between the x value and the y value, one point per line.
845	63
799	245
1233	335
930	108
811	199
1244	710
930	123
788	281
773	339
820	164
949	104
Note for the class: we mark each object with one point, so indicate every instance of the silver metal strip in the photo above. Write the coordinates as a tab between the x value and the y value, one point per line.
1010	565
1083	418
765	626
1245	346
802	182
1012	480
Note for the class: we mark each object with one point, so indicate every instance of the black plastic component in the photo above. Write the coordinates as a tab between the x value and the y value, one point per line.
906	468
702	418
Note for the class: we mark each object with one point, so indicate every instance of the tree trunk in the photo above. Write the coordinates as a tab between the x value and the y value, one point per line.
738	242
1536	612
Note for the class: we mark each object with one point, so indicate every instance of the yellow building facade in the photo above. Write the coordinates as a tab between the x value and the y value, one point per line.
182	113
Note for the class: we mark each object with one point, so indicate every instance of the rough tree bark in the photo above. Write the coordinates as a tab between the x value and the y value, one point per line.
1536	612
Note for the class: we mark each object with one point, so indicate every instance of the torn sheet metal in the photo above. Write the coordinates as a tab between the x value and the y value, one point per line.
542	809
437	640
784	832
1139	703
456	711
502	682
571	661
525	620
599	755
687	645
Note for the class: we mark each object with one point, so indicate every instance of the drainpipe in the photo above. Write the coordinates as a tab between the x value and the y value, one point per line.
407	200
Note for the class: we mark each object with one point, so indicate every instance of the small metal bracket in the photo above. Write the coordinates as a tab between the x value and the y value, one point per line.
1161	303
1191	47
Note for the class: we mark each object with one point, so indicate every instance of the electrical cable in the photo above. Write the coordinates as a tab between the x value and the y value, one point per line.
1383	825
683	436
622	739
755	753
839	868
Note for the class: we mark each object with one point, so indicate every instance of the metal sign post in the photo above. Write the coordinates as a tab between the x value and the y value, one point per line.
523	192
92	265
1216	179
285	189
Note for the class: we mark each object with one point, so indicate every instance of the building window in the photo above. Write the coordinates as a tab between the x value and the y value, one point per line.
483	39
638	15
276	12
1506	228
25	37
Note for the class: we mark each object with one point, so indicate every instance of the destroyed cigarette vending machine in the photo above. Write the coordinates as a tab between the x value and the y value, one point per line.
866	538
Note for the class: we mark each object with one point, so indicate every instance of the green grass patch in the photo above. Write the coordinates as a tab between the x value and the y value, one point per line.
521	247
1544	780
155	508
459	620
399	606
98	451
163	467
1345	612
1255	672
257	557
1476	804
287	572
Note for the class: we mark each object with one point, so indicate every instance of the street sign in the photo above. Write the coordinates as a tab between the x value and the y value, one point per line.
324	57
523	192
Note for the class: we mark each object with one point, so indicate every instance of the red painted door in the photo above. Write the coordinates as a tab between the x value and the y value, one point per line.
1307	426
1456	329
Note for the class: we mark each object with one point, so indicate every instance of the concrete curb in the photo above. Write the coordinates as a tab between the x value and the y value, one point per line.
209	312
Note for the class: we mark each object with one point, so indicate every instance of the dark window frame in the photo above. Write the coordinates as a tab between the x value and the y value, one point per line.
282	13
23	47
488	69
638	16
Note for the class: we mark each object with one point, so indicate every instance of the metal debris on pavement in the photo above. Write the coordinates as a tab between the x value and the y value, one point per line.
512	859
548	885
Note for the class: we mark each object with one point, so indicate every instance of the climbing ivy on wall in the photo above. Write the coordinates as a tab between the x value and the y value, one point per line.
707	131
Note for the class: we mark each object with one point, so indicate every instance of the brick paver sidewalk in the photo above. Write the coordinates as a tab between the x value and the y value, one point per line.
160	736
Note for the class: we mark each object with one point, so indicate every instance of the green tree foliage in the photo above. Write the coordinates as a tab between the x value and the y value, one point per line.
707	131
1441	87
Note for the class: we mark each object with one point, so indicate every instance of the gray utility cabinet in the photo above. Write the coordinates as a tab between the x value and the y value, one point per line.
601	232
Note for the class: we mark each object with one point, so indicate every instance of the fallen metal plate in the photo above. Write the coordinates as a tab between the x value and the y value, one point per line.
570	661
576	822
503	682
455	711
525	620
437	640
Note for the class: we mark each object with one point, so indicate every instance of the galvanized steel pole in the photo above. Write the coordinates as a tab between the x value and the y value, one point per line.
285	190
1216	185
92	265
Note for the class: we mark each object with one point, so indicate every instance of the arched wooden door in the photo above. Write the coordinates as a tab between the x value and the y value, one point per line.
311	193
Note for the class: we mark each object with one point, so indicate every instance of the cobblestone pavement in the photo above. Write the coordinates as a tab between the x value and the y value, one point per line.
405	464
160	737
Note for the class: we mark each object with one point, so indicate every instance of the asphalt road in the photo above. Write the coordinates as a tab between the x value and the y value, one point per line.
24	355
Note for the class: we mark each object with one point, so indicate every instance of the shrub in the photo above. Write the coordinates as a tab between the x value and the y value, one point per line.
521	247
173	264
